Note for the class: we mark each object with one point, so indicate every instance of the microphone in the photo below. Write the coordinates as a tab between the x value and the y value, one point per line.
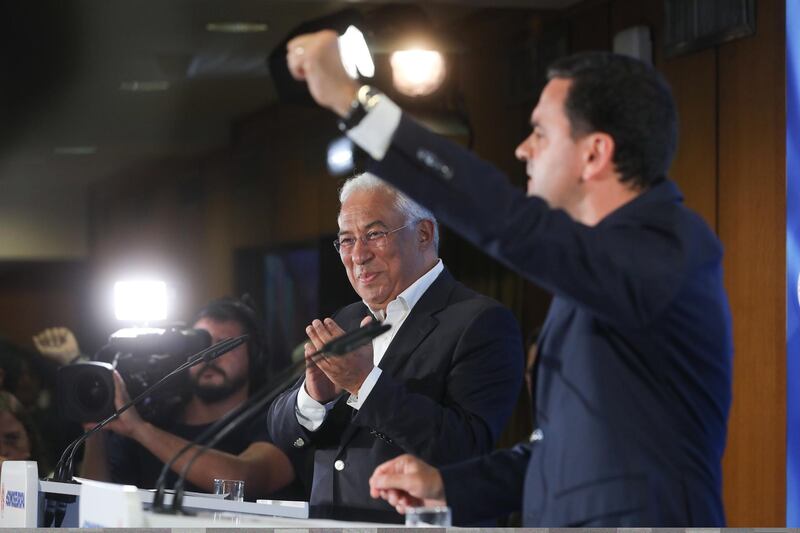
222	427
353	339
63	471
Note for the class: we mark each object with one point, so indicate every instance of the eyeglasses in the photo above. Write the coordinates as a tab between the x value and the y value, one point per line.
371	239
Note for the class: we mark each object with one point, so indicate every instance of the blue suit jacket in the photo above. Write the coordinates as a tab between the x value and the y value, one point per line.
449	382
634	367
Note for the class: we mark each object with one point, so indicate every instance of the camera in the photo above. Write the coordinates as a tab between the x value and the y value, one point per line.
142	356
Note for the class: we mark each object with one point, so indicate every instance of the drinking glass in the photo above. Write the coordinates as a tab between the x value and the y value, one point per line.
428	516
233	489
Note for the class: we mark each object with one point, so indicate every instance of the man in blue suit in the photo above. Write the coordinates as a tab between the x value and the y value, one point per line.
634	366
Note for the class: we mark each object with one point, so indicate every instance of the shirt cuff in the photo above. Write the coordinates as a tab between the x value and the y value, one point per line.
356	401
310	413
375	131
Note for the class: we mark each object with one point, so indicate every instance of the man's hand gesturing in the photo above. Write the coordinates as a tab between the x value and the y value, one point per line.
327	376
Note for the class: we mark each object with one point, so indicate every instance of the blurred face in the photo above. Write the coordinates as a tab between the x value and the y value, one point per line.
29	386
14	443
384	268
553	161
219	379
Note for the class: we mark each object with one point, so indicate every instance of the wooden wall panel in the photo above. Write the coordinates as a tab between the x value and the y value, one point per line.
34	296
216	259
590	26
752	227
693	79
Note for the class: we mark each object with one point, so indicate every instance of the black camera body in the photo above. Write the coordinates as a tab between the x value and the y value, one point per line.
142	356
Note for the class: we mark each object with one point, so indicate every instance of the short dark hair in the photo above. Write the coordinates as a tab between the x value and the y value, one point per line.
242	311
630	101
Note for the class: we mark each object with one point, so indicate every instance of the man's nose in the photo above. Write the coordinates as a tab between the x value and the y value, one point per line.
361	252
522	152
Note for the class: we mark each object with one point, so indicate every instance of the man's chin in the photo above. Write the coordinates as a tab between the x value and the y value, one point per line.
213	393
376	303
216	392
367	296
530	189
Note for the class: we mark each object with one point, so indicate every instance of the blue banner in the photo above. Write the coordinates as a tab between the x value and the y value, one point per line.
792	263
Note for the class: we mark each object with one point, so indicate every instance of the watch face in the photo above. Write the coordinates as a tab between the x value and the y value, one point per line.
363	94
368	97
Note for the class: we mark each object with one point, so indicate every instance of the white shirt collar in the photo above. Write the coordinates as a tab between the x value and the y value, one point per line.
409	297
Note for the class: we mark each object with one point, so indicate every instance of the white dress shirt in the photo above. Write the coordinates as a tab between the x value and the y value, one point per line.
374	133
310	413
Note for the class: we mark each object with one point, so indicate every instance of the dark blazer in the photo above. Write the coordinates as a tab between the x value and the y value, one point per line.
450	379
633	380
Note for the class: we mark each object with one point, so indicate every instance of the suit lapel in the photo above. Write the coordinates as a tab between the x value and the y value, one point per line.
419	324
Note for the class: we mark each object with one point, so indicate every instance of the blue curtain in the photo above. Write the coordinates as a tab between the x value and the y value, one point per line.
792	263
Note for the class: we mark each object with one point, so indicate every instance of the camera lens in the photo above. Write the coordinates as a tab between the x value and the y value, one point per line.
85	391
91	392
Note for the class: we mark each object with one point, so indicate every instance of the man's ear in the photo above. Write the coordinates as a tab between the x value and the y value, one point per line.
597	150
424	233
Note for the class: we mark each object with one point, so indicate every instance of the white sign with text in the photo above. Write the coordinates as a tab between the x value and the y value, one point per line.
19	494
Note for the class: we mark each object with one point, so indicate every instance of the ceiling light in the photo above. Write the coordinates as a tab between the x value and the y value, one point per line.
417	72
144	86
355	54
237	27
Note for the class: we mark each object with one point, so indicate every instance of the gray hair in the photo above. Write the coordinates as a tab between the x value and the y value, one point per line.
411	210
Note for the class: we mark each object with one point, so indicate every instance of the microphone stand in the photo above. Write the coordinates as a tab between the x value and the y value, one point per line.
63	470
337	347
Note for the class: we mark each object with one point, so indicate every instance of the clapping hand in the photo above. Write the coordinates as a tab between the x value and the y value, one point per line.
328	375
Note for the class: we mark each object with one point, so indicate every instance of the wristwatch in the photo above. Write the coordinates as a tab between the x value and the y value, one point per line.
367	97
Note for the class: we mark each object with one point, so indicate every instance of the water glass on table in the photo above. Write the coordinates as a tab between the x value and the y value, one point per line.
428	516
233	489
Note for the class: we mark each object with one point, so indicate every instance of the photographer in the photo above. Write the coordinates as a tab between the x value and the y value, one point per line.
134	450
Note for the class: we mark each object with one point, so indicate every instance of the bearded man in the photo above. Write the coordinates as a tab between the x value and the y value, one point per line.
134	451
